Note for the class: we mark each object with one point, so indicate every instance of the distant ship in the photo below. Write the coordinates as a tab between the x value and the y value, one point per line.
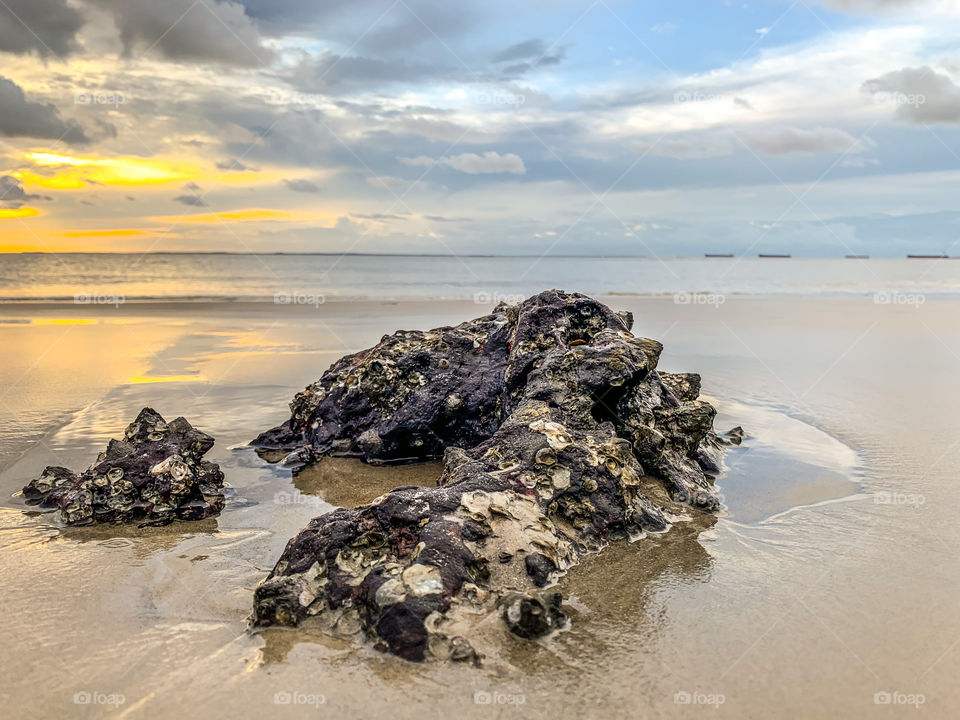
941	256
770	255
857	257
725	255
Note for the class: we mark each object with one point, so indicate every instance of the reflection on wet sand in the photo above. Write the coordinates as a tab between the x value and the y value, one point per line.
609	598
345	482
143	540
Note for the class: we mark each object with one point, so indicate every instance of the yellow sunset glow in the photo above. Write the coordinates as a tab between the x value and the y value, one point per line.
79	173
24	212
106	171
108	233
246	215
141	379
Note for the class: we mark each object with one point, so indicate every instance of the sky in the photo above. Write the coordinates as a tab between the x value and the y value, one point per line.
589	127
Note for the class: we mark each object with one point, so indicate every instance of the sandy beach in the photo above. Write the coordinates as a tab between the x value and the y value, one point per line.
828	578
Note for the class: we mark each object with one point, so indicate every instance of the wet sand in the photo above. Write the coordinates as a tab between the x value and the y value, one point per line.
830	578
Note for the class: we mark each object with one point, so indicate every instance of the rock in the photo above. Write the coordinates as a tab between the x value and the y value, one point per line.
734	436
558	435
154	475
539	567
532	615
408	398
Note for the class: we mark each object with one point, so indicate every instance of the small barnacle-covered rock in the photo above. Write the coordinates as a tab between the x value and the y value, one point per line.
531	615
155	475
558	436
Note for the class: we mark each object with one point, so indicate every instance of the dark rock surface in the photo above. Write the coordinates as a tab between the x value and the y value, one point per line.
154	475
558	435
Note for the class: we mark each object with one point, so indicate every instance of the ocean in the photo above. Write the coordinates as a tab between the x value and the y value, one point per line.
268	278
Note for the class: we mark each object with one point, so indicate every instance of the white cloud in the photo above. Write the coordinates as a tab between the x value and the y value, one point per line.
918	94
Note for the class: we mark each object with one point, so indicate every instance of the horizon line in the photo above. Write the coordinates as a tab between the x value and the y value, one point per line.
702	256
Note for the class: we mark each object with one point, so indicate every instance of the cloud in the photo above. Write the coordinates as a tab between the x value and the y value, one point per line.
376	27
664	27
302	186
795	141
688	147
380	217
473	164
234	164
491	162
444	219
533	53
876	5
416	23
12	194
191	200
47	27
919	94
336	74
532	48
188	31
21	118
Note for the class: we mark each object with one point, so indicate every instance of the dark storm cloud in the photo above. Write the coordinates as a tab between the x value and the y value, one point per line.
20	117
48	27
188	30
12	194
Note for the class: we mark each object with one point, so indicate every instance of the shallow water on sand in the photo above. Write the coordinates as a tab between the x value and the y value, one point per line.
831	577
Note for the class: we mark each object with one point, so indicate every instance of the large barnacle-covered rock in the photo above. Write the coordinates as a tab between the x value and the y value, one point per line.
407	398
155	475
558	435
